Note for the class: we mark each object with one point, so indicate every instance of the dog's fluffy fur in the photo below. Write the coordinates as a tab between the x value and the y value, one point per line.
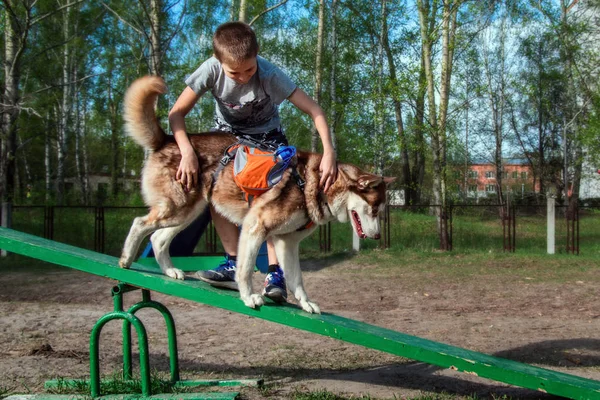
279	213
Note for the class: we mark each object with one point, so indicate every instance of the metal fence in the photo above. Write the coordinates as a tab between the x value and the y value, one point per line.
470	227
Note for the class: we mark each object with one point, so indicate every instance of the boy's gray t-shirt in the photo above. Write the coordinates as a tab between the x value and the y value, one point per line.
250	108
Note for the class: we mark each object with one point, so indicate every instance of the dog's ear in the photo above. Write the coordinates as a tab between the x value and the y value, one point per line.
342	174
367	181
388	179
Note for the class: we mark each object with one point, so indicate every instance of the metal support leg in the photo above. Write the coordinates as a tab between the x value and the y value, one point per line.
171	335
130	319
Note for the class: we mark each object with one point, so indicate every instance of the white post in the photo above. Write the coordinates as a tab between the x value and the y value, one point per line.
355	241
551	224
6	218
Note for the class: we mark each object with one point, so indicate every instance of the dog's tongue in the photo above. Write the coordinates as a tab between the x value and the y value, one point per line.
358	225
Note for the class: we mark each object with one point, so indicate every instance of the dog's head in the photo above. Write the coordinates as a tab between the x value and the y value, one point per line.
364	200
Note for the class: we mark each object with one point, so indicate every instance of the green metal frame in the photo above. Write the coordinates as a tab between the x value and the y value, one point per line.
130	319
397	343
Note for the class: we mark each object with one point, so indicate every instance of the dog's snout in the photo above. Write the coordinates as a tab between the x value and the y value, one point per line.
377	236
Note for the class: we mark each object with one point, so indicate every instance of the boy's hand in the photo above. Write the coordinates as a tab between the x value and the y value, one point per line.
328	168
187	174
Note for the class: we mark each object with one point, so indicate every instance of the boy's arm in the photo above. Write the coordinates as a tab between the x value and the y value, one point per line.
328	165
187	173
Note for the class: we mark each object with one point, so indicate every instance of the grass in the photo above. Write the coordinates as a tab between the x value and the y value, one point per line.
455	266
114	384
473	230
326	395
5	391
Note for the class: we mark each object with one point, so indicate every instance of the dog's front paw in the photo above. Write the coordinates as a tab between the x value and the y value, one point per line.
310	307
254	301
124	263
175	273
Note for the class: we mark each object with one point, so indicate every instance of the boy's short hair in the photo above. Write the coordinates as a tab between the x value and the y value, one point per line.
234	42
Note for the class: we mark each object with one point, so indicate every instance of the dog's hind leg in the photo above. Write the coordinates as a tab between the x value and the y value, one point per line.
251	238
161	241
287	248
140	228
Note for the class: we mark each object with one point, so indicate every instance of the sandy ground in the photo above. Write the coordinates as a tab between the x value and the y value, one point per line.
46	317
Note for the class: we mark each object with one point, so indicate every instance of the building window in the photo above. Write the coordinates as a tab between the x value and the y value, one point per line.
524	175
490	188
472	188
506	175
490	174
473	174
515	174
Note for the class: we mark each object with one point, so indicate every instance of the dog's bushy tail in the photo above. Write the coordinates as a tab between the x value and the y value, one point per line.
139	114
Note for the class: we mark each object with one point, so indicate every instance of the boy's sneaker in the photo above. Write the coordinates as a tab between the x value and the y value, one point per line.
275	286
223	276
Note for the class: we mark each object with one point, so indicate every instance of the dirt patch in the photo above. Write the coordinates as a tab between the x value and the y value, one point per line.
46	317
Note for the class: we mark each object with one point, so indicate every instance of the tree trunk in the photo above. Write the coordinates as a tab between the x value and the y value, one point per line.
438	120
243	11
114	117
232	11
418	171
465	192
405	181
318	70
155	46
497	100
14	45
47	161
26	167
64	109
332	83
81	149
380	112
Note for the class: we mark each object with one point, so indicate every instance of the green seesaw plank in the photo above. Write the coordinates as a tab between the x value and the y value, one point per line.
186	264
326	324
173	396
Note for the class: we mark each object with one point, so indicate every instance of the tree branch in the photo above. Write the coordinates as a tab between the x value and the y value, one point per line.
266	11
116	14
42	17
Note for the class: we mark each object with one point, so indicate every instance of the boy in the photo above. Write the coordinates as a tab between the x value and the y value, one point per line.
248	90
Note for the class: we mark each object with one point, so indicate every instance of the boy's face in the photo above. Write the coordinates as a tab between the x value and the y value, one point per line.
240	72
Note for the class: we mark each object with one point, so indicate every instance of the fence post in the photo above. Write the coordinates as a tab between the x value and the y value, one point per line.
6	220
551	224
355	241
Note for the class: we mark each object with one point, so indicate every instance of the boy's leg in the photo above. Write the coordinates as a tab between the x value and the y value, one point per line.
275	287
224	274
228	232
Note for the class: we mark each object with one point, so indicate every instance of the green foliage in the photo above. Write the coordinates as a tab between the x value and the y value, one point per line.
108	47
5	391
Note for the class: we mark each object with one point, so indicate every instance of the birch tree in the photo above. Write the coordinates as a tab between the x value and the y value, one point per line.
493	49
406	177
333	49
438	113
20	17
318	70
